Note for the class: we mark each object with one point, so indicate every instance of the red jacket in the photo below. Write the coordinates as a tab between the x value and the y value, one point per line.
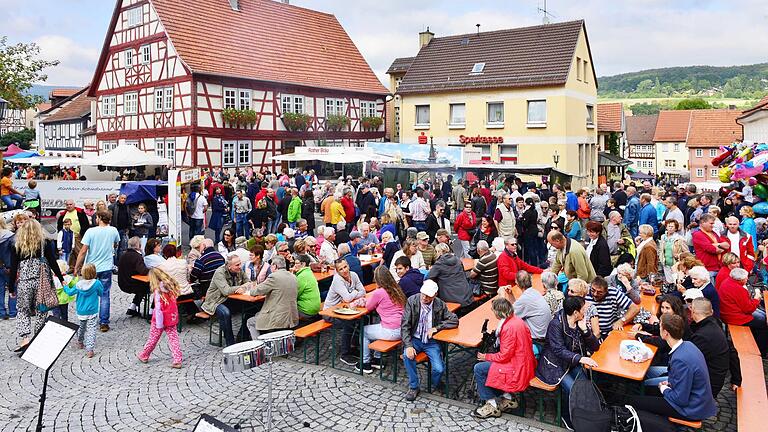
705	249
508	267
584	210
513	367
463	223
736	305
349	209
746	251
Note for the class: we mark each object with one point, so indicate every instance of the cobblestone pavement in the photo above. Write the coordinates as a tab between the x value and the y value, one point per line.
114	392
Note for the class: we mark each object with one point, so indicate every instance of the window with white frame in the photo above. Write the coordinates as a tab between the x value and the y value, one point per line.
677	147
166	148
108	146
292	104
422	115
159	92
537	112
699	172
712	152
108	105
168	99
458	114
244	102
131	103
699	153
495	113
368	109
334	106
146	54
244	153
236	153
507	151
590	115
665	147
713	172
128	58
134	16
485	151
228	150
230	98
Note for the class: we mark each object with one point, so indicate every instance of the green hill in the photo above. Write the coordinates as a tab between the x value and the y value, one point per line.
738	82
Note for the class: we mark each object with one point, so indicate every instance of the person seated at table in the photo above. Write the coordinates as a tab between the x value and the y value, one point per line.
227	280
342	234
701	279
387	225
569	345
388	301
308	296
411	250
614	308
729	261
550	291
242	250
579	288
389	247
423	316
153	253
206	265
443	237
739	306
718	351
345	288
532	309
130	264
283	250
624	280
411	279
269	247
354	262
195	251
279	311
509	263
426	249
687	393
508	371
256	269
368	240
485	271
448	273
328	252
649	333
310	249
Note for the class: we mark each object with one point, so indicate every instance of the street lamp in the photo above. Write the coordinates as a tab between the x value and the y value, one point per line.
432	153
556	158
3	107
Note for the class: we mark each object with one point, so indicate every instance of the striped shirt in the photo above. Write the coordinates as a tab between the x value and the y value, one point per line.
611	308
419	210
487	272
206	266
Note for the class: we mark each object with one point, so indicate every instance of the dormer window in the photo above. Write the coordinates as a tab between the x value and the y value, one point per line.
134	16
478	68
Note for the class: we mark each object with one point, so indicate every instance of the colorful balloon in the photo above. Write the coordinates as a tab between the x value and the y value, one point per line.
760	191
761	207
724	174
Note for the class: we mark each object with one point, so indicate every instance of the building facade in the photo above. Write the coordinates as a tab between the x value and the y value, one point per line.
62	130
14	120
189	91
754	122
670	139
396	73
709	130
537	109
611	120
641	150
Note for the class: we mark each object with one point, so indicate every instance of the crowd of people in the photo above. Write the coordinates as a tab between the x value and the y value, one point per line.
595	251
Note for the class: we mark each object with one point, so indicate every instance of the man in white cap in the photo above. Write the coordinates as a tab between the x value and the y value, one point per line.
423	316
328	251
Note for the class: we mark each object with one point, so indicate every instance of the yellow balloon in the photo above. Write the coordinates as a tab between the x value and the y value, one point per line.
725	174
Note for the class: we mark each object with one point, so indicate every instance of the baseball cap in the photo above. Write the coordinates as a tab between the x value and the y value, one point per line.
429	288
422	235
354	234
692	294
289	232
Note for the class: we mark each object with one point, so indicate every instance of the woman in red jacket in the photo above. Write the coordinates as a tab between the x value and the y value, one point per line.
509	370
465	225
738	306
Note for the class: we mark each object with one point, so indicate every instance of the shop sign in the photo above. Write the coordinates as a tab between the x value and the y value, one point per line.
480	140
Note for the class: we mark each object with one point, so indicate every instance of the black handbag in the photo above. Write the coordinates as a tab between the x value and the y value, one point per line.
488	344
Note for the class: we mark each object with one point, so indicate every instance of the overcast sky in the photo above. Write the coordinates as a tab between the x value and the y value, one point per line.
625	36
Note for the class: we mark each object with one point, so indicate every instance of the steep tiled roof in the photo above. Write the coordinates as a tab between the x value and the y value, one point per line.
762	105
522	57
609	117
266	40
43	106
672	126
75	107
400	65
714	128
640	129
63	92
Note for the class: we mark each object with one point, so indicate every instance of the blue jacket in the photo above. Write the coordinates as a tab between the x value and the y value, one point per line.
411	282
749	227
571	201
690	393
355	266
564	349
632	214
648	216
88	295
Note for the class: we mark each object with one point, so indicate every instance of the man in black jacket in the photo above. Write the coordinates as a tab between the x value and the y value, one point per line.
718	351
121	219
436	220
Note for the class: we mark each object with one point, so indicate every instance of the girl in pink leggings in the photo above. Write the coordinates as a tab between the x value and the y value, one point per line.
165	316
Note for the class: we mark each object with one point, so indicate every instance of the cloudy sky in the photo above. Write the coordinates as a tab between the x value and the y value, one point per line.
625	36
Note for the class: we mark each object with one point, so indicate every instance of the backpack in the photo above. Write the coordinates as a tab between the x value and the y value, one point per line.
190	204
587	407
625	419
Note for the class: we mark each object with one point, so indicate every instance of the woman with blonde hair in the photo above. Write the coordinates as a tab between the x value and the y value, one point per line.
647	254
579	288
194	252
684	264
748	223
388	300
165	316
26	262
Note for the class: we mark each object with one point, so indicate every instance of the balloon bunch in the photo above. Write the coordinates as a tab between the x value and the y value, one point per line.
745	164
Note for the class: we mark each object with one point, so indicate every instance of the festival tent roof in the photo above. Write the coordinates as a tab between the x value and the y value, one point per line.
22	155
141	190
12	150
351	157
126	155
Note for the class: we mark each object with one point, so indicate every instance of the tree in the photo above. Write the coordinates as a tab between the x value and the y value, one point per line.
23	138
693	103
613	143
645	108
20	67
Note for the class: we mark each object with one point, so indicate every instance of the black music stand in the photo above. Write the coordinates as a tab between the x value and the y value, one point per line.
207	423
44	349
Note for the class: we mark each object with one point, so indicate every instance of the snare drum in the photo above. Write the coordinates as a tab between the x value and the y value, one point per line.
279	343
243	356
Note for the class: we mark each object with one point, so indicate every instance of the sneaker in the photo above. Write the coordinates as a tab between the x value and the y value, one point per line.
176	365
376	363
366	368
89	354
349	359
104	328
487	410
80	345
508	405
142	359
411	394
133	313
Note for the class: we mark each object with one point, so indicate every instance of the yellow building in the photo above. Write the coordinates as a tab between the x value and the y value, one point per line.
522	96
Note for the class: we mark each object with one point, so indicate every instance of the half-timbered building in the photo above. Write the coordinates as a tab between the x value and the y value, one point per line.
231	83
62	129
14	120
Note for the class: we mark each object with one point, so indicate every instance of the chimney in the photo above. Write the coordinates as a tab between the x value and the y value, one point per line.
425	37
286	1
478	29
235	4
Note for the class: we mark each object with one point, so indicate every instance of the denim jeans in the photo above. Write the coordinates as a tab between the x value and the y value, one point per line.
241	219
195	227
567	382
421	225
759	329
105	277
9	201
432	348
272	224
11	312
656	375
347	331
481	375
375	332
225	323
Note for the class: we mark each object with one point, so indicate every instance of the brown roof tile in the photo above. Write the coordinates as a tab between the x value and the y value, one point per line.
609	117
400	65
63	92
672	126
522	57
269	41
76	107
762	105
641	128
714	128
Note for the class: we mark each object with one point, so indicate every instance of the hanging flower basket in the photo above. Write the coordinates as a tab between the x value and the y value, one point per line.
371	124
236	118
295	122
335	122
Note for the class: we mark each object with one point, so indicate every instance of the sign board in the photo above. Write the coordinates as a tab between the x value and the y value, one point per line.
207	423
53	193
189	175
328	150
47	345
417	153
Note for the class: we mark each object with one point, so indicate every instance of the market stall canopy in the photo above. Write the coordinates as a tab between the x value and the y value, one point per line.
126	155
44	161
12	150
333	154
513	169
639	175
611	160
141	190
22	155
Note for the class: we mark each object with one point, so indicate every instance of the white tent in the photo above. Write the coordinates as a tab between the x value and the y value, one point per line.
48	161
126	155
333	154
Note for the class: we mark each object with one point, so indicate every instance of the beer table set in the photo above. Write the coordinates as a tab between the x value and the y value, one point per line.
343	312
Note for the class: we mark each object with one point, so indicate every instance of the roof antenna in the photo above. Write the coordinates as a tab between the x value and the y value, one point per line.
478	29
545	14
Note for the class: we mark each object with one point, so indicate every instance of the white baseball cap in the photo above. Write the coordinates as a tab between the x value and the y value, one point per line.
692	294
429	288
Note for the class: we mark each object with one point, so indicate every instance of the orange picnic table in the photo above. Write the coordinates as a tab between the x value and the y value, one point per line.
609	361
360	317
469	263
142	278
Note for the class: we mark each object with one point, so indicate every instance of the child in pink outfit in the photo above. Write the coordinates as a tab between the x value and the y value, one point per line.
165	316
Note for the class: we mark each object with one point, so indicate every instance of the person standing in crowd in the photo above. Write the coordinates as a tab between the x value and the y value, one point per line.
88	291
598	203
647	253
632	212
719	353
647	214
620	197
741	243
465	226
597	249
436	221
674	213
748	223
197	205
350	210
504	217
121	220
571	258
242	208
671	246
80	225
708	245
142	223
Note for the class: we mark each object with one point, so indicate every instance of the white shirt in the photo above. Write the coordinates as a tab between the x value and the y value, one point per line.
200	204
328	252
734	239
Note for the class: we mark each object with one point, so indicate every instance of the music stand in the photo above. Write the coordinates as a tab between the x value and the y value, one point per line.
44	349
207	423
